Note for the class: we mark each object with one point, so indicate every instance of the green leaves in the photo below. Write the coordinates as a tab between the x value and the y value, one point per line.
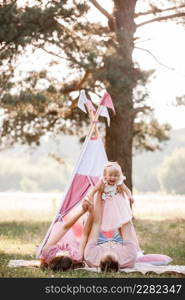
172	172
24	98
148	132
96	56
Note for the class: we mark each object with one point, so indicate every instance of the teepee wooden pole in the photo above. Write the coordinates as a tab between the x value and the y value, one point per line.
93	122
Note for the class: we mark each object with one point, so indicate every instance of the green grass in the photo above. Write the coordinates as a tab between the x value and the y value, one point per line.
18	240
159	223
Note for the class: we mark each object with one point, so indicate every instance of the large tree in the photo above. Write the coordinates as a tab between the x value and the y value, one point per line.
98	56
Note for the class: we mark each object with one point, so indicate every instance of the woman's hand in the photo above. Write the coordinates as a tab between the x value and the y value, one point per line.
87	204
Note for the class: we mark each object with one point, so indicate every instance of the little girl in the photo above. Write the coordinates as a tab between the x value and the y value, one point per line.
116	207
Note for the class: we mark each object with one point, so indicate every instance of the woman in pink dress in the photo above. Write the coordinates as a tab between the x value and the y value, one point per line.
62	250
109	255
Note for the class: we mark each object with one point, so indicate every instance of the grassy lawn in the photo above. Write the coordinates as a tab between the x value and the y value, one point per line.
21	231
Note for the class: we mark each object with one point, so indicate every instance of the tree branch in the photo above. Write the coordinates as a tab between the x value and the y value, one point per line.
51	52
75	85
101	9
146	50
177	15
141	109
3	47
158	10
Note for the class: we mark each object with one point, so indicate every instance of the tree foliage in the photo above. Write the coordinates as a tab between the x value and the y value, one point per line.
28	175
96	57
172	172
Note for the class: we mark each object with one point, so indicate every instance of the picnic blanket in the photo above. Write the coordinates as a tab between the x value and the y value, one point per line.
142	268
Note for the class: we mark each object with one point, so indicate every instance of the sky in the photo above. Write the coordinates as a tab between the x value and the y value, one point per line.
167	43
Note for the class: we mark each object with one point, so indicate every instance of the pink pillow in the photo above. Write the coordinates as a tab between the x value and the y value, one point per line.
155	259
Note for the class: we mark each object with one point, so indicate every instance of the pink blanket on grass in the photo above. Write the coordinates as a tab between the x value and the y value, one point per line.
140	267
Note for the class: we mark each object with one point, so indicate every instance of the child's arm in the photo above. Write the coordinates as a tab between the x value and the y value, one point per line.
126	190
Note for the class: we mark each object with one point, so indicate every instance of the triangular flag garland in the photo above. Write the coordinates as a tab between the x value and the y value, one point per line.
82	101
90	106
104	113
106	100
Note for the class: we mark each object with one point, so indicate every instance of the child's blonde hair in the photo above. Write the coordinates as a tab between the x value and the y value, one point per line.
113	165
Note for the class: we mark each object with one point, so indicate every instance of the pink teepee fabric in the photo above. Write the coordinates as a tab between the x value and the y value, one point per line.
86	173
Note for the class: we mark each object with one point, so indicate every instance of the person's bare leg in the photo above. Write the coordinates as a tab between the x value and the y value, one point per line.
62	228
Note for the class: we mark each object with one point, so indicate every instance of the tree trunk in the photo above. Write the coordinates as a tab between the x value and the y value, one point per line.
119	143
120	135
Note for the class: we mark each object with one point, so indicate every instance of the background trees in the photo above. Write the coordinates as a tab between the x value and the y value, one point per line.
171	173
96	57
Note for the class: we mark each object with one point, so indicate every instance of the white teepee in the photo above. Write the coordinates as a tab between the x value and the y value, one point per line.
87	171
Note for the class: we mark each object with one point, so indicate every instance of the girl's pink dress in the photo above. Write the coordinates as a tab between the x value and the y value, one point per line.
116	209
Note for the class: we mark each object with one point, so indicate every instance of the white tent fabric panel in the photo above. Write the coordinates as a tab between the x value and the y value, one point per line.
93	160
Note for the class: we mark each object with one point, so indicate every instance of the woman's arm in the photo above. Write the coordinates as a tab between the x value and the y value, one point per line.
85	234
93	190
96	219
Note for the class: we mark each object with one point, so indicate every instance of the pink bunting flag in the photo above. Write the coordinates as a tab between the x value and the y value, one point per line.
90	106
104	113
107	101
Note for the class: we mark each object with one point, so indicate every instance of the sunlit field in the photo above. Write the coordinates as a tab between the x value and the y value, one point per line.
40	206
25	218
159	207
